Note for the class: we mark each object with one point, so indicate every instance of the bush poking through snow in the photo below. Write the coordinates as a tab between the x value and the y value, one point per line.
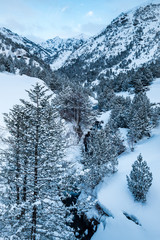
140	179
132	218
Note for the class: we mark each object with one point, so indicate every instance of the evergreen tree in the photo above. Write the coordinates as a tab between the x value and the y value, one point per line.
105	97
138	86
120	111
140	179
35	171
140	116
131	137
74	106
155	115
115	138
100	159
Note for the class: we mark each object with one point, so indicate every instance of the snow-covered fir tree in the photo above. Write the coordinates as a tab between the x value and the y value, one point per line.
120	112
140	179
35	171
140	115
74	106
115	137
100	156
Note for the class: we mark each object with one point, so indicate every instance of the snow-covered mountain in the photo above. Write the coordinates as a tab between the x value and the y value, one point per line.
20	55
18	45
60	49
131	40
53	52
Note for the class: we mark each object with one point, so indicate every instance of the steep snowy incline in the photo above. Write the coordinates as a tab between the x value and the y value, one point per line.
115	196
60	49
131	40
20	44
12	89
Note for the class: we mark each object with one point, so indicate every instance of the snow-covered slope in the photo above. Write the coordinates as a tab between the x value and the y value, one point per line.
115	196
131	40
25	45
12	89
60	49
53	52
19	54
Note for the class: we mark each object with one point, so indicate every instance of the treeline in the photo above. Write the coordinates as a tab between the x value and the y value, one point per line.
134	80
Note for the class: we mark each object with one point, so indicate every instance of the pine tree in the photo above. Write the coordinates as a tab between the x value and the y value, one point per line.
138	86
115	137
105	96
140	116
120	112
131	137
140	179
36	172
155	115
13	172
100	159
74	106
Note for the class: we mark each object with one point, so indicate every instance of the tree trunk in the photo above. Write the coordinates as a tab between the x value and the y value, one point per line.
34	211
24	193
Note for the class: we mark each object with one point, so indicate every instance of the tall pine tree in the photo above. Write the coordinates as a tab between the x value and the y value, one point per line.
74	106
35	171
140	115
100	157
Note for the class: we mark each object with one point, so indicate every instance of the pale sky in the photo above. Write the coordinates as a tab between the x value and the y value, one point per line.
40	20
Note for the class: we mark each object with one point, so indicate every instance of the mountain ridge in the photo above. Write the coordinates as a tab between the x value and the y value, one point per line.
131	40
128	43
60	49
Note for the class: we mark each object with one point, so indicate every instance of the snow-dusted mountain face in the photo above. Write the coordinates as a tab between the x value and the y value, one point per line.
129	44
131	40
60	49
20	55
12	40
